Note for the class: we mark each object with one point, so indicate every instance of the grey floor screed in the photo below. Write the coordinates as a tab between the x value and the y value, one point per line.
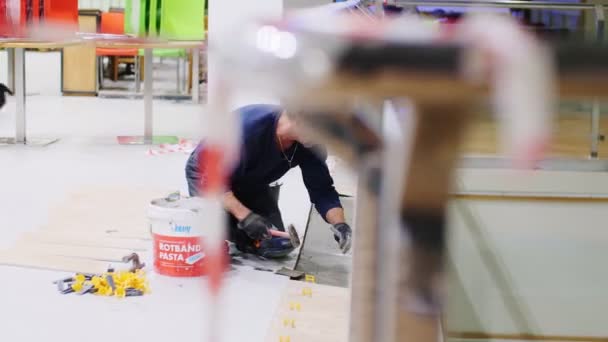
320	255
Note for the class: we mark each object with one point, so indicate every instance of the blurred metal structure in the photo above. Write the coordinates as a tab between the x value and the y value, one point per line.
596	7
325	76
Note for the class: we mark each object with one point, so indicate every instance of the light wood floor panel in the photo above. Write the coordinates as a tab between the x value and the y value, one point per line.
322	317
571	136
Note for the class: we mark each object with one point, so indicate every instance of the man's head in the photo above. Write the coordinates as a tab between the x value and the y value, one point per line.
291	128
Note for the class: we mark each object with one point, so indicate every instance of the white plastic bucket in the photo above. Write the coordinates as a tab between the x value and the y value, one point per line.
177	226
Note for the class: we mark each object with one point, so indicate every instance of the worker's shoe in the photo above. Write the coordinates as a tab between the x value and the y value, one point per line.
273	248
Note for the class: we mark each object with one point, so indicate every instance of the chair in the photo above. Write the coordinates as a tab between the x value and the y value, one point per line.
113	23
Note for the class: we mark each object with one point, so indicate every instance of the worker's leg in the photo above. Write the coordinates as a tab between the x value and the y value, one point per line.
264	202
269	207
193	177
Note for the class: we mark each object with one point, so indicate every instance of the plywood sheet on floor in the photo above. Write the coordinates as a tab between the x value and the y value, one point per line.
64	250
105	210
571	135
320	317
42	260
87	229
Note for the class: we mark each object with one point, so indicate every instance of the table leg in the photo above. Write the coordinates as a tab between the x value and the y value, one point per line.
17	84
137	74
148	94
20	95
148	137
195	74
11	68
178	74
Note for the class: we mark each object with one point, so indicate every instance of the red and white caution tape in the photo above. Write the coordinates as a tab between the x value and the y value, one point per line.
185	146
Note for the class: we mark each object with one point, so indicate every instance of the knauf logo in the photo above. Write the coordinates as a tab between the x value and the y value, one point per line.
182	229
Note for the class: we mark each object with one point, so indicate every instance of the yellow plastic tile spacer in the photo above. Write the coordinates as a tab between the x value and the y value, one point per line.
145	287
105	291
289	322
79	278
97	282
294	306
120	292
284	339
309	278
307	292
77	286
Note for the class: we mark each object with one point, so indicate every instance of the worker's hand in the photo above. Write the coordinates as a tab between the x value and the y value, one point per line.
256	227
343	235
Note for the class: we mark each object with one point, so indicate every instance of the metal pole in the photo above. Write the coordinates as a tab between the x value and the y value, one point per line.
137	74
148	94
178	76
595	128
363	275
599	22
397	131
11	68
20	95
195	74
595	111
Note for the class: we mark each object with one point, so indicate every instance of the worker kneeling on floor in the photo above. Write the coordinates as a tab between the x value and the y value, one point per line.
270	147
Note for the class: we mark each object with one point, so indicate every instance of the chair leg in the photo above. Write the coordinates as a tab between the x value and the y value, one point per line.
100	71
141	67
137	74
114	68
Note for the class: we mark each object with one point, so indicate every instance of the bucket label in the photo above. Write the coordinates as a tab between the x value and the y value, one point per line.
178	254
182	229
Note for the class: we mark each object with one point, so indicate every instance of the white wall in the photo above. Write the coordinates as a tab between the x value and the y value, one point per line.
225	17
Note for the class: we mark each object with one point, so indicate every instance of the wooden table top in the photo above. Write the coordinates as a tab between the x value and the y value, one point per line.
106	41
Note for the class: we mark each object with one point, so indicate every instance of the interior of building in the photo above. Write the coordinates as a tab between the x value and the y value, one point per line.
159	182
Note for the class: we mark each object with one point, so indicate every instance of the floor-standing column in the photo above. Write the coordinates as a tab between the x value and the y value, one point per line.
20	128
363	285
433	154
10	53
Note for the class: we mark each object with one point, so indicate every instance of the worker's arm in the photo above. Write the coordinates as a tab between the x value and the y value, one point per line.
342	232
235	207
335	216
324	196
254	225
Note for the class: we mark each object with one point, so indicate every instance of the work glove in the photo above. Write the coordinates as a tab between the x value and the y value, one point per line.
256	227
343	235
